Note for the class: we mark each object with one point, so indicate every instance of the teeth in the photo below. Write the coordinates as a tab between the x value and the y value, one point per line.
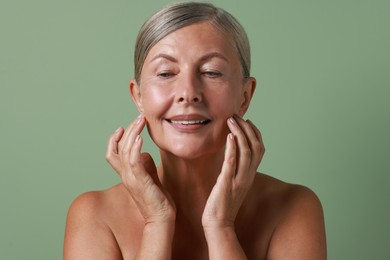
188	122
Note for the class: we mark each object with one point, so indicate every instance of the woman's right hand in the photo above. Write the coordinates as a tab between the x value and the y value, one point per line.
139	174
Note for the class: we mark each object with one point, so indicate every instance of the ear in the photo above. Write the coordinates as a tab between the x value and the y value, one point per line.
247	94
136	95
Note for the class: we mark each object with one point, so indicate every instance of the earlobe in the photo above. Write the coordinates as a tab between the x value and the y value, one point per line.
247	94
136	95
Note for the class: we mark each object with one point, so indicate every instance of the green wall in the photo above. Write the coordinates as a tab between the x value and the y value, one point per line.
322	104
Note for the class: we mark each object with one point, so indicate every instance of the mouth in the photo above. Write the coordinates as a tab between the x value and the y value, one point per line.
189	122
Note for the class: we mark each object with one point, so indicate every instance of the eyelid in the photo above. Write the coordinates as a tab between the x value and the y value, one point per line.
165	74
212	73
164	68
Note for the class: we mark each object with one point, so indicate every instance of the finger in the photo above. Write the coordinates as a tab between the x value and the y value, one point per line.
112	156
134	175
257	132
137	168
229	163
249	132
112	146
244	152
254	140
259	137
129	137
129	129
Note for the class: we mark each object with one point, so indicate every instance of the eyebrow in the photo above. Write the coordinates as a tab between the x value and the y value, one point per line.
163	56
208	56
211	55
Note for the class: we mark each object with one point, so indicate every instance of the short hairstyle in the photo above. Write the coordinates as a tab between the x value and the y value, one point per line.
179	15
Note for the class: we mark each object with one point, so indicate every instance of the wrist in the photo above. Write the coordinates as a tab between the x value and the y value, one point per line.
223	243
219	231
160	227
157	241
163	219
217	225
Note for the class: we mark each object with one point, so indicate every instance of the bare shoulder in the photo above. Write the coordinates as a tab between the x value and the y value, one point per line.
92	206
89	231
86	204
299	232
290	195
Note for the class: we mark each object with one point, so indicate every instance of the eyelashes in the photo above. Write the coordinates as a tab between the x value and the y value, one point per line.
212	74
208	74
165	75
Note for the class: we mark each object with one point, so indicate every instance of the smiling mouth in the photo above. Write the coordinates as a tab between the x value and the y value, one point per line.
189	122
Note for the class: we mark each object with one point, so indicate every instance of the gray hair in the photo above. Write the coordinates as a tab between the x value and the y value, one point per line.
179	15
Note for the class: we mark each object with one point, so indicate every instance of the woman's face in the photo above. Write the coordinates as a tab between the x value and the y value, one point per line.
191	82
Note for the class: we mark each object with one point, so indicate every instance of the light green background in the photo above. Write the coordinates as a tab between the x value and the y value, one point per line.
322	105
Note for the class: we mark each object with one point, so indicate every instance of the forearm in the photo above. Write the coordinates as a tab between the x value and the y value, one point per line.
223	243
156	241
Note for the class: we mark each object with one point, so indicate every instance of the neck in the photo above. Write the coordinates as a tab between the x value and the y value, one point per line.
190	181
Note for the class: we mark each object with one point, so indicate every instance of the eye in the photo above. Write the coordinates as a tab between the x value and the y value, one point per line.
165	75
212	74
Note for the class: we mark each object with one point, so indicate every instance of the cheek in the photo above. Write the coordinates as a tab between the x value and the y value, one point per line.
155	102
225	103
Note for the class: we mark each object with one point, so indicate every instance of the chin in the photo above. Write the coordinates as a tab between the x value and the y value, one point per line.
188	154
191	150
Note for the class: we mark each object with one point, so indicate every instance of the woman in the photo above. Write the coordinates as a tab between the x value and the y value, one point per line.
205	200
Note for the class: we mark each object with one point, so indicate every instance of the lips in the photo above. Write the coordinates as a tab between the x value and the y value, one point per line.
189	122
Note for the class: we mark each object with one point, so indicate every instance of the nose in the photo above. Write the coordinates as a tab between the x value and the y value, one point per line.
189	89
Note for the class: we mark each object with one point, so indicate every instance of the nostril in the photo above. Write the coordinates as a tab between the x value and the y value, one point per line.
189	100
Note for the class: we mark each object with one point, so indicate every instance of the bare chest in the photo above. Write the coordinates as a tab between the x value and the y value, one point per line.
254	236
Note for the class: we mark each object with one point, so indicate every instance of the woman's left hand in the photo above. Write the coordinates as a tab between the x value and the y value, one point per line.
243	153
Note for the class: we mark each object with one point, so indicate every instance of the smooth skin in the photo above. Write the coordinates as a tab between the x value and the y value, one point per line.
205	200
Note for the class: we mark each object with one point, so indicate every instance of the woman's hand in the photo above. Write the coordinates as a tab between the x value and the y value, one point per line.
243	153
139	174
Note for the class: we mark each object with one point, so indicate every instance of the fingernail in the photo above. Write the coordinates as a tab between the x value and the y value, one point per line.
231	119
117	130
231	136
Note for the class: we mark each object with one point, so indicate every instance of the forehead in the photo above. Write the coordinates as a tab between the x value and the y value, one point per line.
194	39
